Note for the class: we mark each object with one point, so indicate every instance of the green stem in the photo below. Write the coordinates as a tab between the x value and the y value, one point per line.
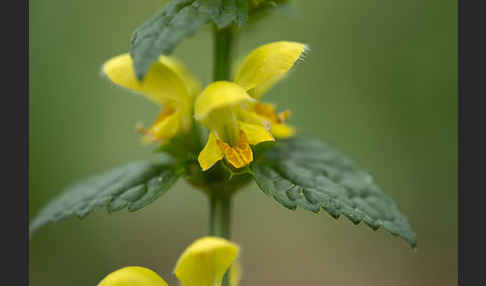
220	203
220	220
223	44
220	215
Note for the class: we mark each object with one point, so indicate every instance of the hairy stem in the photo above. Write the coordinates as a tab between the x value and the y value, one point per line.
220	203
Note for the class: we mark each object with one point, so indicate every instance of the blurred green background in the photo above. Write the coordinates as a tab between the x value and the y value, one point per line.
380	83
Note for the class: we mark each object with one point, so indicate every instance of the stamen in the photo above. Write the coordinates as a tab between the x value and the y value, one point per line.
284	115
140	129
266	110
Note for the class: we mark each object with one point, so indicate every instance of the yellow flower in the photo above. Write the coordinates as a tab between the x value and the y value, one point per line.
167	83
203	263
233	115
133	276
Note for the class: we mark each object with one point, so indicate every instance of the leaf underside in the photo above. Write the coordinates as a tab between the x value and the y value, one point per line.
134	185
177	20
313	175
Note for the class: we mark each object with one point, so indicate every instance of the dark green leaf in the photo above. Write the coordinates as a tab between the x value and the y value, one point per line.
177	20
134	185
313	175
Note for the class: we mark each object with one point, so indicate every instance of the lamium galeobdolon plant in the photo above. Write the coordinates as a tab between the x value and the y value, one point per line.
220	136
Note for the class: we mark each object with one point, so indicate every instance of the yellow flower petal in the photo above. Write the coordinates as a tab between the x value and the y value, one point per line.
166	112
205	261
239	155
259	90
161	83
223	123
133	276
255	133
192	83
281	131
267	110
235	274
277	127
166	128
218	95
253	118
268	64
210	154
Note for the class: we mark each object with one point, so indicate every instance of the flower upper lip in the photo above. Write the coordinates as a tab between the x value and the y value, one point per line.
219	94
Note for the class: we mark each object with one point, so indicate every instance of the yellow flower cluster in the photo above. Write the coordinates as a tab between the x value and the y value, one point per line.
231	111
203	263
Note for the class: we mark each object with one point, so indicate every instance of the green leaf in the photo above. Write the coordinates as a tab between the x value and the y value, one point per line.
134	185
177	20
313	175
